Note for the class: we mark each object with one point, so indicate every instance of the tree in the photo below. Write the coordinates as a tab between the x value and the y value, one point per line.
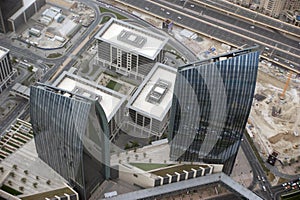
23	180
144	154
35	184
1	169
150	160
48	182
128	158
136	156
12	174
21	188
127	146
9	182
15	167
37	177
26	172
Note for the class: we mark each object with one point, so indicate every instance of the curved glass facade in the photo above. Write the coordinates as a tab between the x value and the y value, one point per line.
71	136
211	104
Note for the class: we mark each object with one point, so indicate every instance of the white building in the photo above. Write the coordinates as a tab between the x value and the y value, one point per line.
149	106
128	49
111	101
6	70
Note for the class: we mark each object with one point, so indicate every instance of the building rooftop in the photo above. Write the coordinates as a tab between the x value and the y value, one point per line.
3	51
109	99
132	38
187	184
154	95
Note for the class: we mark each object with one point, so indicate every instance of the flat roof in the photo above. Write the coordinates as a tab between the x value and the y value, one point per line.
140	101
109	99
132	38
3	51
187	184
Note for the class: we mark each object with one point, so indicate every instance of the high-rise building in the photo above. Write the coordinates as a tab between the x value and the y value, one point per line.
6	70
7	9
292	5
272	7
128	49
15	13
211	104
71	135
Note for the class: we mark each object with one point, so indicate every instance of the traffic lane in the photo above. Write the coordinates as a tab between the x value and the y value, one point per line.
256	16
213	14
266	39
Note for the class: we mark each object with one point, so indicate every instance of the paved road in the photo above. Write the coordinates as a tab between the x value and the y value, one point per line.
236	10
235	31
257	171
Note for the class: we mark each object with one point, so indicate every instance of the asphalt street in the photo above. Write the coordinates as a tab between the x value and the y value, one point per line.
226	28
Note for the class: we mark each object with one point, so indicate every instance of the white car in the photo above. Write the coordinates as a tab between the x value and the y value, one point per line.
192	6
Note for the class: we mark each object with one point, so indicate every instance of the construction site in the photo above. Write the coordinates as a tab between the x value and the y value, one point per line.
274	121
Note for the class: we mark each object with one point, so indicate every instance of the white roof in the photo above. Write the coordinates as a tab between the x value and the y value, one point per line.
110	100
3	51
139	101
112	29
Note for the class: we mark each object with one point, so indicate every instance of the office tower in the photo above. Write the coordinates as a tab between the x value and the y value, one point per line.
71	134
6	70
211	104
7	9
149	107
128	49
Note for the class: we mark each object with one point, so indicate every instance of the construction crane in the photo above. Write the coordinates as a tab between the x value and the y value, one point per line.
282	96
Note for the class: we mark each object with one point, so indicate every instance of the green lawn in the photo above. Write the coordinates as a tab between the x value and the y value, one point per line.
105	19
114	85
178	169
10	190
149	166
119	16
54	55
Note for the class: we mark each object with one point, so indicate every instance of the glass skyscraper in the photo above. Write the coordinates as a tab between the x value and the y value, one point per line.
72	136
211	104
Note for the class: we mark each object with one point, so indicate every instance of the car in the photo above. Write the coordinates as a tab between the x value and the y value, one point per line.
192	5
276	59
167	13
146	8
292	66
264	188
267	48
258	177
252	27
179	17
284	184
162	9
263	179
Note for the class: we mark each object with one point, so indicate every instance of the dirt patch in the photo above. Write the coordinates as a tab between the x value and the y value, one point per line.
286	137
